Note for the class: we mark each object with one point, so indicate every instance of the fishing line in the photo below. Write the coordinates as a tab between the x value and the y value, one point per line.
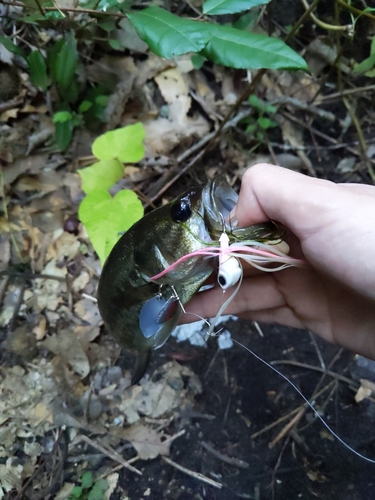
372	461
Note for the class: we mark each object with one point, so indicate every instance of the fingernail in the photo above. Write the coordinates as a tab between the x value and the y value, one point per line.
233	217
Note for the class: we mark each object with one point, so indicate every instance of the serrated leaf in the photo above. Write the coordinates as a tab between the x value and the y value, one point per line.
166	34
230	6
125	144
101	175
243	50
105	218
38	70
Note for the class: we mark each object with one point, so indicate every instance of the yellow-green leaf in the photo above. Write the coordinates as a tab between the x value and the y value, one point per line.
125	144
101	175
106	218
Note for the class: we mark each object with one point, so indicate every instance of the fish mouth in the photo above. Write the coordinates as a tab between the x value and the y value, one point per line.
219	199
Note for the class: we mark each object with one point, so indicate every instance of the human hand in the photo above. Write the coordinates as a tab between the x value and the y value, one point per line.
331	226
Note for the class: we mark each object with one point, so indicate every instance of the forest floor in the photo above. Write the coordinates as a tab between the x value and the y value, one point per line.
235	427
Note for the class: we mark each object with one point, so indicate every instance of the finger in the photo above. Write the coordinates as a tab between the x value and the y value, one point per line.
255	293
270	192
281	315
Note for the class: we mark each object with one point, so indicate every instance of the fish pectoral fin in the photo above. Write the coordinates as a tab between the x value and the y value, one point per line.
155	313
141	364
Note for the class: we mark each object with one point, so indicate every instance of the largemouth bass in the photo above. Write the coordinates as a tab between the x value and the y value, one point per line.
141	313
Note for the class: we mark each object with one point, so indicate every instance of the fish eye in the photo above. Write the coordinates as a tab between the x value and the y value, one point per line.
181	209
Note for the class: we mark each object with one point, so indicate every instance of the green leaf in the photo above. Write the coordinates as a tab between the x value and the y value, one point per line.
84	106
76	492
12	47
256	102
266	123
62	116
125	144
38	70
63	62
101	485
87	480
251	128
101	175
98	490
247	20
230	6
197	61
105	218
366	65
115	44
242	50
168	35
63	133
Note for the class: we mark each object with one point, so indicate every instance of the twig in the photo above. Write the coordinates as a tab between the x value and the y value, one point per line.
191	473
224	458
356	11
67	9
166	181
334	95
322	24
175	436
107	450
335	375
296	103
319	354
289	415
324	136
27	275
57	473
275	469
362	141
288	427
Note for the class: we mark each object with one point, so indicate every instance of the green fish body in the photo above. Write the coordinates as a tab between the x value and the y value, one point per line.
140	313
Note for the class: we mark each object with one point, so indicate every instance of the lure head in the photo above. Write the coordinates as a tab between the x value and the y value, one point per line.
139	312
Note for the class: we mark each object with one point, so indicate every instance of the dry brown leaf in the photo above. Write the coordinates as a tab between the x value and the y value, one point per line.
67	346
163	134
159	399
366	389
148	443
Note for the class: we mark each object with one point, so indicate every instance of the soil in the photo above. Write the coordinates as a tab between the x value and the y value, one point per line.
241	396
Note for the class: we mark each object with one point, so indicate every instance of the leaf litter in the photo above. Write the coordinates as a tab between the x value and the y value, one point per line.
58	369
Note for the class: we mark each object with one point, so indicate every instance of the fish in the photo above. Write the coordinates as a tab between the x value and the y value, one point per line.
141	313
